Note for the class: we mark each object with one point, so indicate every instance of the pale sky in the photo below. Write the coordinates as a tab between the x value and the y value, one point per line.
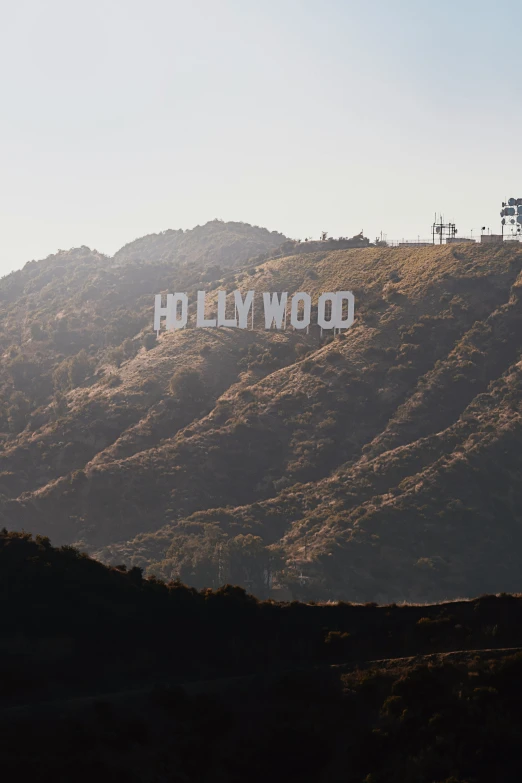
122	118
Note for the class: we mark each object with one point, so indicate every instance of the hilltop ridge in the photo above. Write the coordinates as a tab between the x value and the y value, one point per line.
214	244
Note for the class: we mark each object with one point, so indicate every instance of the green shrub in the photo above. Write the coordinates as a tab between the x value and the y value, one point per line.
187	385
149	341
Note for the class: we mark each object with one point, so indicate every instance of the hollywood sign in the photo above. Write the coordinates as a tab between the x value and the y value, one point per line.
334	310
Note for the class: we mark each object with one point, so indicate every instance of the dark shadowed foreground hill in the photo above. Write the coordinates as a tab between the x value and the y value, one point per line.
107	676
380	465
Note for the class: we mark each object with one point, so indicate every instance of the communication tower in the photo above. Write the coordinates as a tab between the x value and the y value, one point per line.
511	215
441	230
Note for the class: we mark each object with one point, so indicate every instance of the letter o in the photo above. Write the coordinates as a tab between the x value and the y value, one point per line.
321	308
294	312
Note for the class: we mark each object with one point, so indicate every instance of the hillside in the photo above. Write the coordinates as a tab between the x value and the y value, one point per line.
213	246
380	465
116	677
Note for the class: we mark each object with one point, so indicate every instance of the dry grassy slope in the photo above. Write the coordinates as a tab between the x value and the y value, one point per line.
80	300
365	432
479	338
104	424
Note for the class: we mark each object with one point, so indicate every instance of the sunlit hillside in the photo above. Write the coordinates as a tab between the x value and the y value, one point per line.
381	464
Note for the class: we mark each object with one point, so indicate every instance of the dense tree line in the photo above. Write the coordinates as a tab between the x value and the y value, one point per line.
144	625
73	628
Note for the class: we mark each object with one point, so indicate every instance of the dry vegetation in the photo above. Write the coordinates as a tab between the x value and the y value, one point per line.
380	465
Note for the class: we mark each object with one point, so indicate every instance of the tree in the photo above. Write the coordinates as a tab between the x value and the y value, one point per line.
128	348
36	331
24	374
60	404
187	385
149	341
249	564
79	368
73	371
18	412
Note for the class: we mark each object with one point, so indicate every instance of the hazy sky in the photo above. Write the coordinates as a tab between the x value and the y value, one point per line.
122	118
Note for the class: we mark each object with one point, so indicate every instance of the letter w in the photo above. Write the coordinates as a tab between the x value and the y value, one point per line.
274	309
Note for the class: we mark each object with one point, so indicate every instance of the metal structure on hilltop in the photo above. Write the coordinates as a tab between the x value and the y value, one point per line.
441	230
511	220
511	215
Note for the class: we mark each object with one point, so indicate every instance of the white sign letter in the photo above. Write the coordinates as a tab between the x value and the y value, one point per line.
168	311
274	309
321	314
222	307
200	318
348	321
243	307
307	302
